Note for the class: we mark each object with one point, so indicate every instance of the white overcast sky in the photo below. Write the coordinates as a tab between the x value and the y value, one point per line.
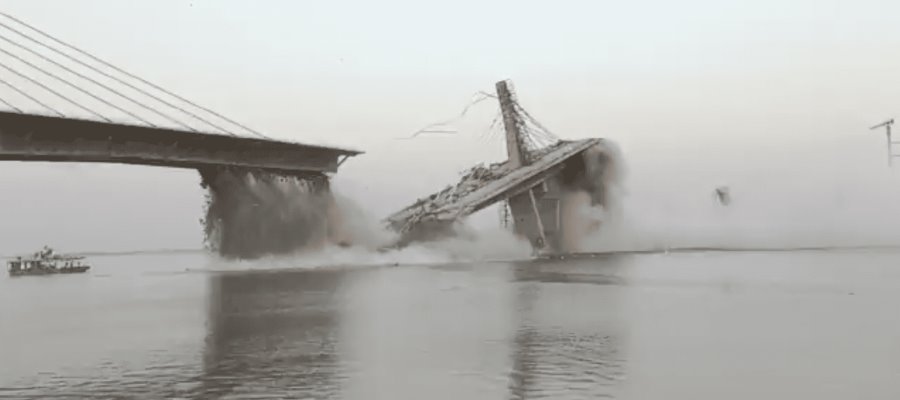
760	93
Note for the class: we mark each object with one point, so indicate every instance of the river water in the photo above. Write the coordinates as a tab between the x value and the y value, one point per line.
703	325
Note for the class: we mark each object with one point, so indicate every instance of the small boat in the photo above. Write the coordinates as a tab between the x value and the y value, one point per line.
46	262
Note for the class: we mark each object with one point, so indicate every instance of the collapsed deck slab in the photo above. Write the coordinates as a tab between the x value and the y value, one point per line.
482	187
25	137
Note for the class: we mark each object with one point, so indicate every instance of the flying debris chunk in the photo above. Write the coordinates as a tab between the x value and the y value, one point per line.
723	195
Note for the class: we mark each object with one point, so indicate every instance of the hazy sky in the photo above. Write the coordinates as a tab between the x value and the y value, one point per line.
761	94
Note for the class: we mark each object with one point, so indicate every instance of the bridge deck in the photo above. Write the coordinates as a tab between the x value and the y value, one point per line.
27	137
63	103
477	192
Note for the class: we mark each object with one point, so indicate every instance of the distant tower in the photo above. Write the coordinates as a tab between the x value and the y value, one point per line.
890	149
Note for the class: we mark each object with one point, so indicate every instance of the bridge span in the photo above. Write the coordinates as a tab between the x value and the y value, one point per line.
59	103
28	137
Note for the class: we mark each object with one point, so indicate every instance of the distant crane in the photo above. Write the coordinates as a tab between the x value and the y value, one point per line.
890	148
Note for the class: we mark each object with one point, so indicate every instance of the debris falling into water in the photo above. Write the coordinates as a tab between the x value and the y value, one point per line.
252	213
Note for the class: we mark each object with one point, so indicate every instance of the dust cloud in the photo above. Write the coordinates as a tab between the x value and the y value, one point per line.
591	193
271	220
813	205
771	206
306	223
252	214
493	245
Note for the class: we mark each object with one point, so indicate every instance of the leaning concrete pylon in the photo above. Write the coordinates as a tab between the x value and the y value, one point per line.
533	180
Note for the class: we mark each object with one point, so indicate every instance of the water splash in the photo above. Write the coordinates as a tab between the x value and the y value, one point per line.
484	246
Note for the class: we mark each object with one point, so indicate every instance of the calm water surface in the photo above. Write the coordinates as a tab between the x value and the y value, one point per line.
791	325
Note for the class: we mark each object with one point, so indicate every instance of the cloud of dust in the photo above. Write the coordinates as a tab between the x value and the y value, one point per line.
772	207
368	238
595	194
251	214
352	225
258	220
811	207
484	246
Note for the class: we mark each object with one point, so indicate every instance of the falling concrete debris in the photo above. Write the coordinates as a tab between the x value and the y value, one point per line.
475	178
250	214
536	183
723	195
443	204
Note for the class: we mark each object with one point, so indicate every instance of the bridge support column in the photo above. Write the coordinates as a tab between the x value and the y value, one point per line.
515	148
537	216
535	212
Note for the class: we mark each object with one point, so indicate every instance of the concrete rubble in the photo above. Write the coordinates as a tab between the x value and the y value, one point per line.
472	180
537	182
479	187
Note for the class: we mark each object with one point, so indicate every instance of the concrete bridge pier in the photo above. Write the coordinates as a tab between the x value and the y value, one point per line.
536	211
537	215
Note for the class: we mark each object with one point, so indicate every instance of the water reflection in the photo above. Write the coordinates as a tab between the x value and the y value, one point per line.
568	342
553	329
272	334
534	330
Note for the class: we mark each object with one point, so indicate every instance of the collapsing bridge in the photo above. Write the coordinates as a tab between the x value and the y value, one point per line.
539	184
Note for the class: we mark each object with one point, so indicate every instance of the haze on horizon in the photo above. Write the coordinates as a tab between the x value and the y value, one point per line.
773	98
